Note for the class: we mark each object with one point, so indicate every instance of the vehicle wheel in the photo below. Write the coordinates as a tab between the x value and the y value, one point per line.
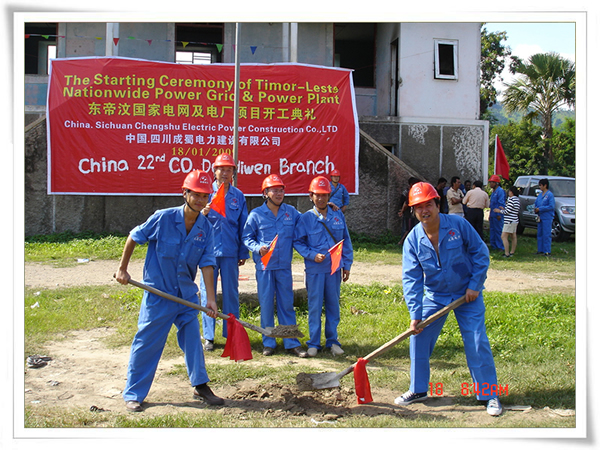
557	233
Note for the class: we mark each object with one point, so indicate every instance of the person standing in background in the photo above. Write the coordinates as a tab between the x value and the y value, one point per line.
476	201
339	194
511	220
544	207
497	203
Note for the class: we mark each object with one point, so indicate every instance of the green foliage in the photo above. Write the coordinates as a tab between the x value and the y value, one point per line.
493	59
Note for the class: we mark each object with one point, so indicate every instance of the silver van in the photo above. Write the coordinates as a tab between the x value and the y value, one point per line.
563	189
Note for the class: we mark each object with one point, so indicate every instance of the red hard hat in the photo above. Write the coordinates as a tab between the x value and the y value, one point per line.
421	192
335	173
223	160
198	181
272	181
495	178
320	185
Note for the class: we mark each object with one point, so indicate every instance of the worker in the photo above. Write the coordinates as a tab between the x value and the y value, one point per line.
274	280
544	208
179	241
339	197
444	258
230	252
319	230
496	218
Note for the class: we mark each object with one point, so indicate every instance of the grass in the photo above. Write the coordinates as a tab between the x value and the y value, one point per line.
532	338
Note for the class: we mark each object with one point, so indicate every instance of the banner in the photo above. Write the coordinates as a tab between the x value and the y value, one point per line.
122	126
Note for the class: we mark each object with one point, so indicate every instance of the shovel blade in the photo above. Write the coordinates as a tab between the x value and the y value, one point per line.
317	381
285	331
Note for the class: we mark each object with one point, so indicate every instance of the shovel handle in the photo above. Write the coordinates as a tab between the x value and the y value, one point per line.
195	306
442	312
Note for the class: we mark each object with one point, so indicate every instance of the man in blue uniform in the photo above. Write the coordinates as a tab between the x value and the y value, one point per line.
444	258
544	207
230	252
179	241
339	197
317	231
274	219
497	204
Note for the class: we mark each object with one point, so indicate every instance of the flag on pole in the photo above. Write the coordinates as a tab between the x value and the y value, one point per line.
217	204
362	387
501	166
265	259
336	256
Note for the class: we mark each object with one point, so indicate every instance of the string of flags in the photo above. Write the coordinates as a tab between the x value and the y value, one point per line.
253	48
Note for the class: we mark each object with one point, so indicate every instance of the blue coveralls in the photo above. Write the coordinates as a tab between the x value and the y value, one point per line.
339	195
311	237
261	228
545	203
430	283
171	265
229	249
497	200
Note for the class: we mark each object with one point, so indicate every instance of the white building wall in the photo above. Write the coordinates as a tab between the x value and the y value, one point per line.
423	96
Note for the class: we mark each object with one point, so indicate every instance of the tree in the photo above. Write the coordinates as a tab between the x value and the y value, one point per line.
546	83
563	145
493	57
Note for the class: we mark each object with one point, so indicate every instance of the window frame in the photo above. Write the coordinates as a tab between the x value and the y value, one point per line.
437	66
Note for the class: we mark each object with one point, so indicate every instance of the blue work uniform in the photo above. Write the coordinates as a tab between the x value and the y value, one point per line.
545	204
323	287
229	250
497	200
276	280
339	195
431	282
171	265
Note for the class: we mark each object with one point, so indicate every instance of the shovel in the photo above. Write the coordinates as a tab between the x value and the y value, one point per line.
316	381
280	331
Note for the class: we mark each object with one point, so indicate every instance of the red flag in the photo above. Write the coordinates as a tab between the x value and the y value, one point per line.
336	256
501	165
217	204
361	382
265	259
237	346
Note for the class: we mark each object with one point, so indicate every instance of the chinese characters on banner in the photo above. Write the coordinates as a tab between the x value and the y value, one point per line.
121	126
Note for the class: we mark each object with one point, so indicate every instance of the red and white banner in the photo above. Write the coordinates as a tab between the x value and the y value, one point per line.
121	126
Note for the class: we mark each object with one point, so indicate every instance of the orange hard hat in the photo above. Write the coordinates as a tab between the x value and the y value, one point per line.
495	178
198	181
335	173
272	181
320	185
421	192
223	160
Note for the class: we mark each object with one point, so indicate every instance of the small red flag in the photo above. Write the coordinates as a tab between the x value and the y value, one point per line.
265	259
217	204
502	167
237	346
361	382
336	256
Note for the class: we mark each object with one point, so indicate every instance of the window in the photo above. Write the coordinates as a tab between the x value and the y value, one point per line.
40	46
198	43
446	63
193	57
355	49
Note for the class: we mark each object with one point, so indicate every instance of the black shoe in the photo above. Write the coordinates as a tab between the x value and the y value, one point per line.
209	345
133	406
204	392
410	397
298	352
268	351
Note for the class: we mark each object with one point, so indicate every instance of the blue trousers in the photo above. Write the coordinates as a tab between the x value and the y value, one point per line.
157	315
496	224
323	289
229	271
471	321
278	284
544	236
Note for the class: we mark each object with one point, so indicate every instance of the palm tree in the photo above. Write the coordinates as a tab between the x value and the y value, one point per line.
547	82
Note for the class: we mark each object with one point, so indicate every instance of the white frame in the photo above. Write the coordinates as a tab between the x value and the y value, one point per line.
454	44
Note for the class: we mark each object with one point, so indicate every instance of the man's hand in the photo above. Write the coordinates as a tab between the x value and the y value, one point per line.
333	206
263	250
212	305
320	257
471	295
345	275
241	262
122	276
413	326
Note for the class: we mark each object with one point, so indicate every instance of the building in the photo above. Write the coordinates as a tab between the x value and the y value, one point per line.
417	94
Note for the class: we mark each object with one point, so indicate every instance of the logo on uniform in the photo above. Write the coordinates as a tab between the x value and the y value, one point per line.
199	237
454	235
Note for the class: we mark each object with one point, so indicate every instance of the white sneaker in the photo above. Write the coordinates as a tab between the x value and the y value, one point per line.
494	408
336	350
312	351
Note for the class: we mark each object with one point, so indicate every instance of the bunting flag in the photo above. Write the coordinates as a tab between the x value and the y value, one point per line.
237	346
501	166
336	256
361	382
217	204
265	259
